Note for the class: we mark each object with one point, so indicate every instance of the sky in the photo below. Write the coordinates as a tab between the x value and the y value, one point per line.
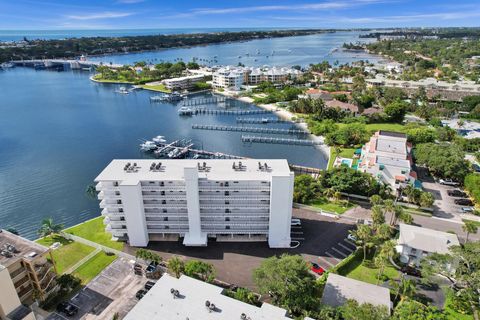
146	14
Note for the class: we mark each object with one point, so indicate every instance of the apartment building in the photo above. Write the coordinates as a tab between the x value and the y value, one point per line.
248	200
387	156
183	83
233	78
29	266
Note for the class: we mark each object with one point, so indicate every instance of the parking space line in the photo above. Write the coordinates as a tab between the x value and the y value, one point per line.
350	250
331	255
83	292
326	261
108	278
296	232
58	314
339	252
348	241
298	239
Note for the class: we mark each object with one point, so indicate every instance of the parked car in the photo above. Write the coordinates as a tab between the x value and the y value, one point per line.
351	237
467	209
316	268
67	308
296	222
140	293
456	193
464	202
149	285
411	271
448	182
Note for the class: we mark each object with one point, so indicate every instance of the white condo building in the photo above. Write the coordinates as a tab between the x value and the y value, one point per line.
229	200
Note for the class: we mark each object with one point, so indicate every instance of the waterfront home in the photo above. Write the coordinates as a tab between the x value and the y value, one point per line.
344	106
29	265
230	78
189	298
225	200
339	289
183	83
415	243
387	156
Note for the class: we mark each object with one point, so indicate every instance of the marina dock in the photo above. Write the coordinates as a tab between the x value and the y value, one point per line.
204	101
205	111
260	139
261	120
248	129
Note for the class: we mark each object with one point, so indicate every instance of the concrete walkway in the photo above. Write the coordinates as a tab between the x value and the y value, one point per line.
85	259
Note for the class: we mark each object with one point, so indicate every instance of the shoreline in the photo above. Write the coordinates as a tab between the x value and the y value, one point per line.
285	115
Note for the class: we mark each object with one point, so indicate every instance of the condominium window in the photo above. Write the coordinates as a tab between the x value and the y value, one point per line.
117	193
119	201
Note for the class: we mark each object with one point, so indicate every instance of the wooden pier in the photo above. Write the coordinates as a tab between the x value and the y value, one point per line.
205	111
260	120
259	139
248	129
204	101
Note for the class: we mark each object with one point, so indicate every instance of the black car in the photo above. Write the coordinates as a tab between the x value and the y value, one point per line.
149	285
140	293
463	202
67	308
456	193
411	271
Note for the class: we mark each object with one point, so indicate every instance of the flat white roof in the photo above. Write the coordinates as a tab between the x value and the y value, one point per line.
393	162
392	146
219	169
339	289
426	239
159	303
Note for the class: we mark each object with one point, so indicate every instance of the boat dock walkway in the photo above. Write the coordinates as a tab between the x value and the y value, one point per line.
259	139
203	101
200	111
248	129
261	120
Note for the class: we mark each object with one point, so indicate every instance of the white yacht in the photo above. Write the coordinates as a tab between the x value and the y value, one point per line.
159	139
185	111
148	146
123	90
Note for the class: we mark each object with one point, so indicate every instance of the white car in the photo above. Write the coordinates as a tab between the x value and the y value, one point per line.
448	182
467	209
351	237
296	222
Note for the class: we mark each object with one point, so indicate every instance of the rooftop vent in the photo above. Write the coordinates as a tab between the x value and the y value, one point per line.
6	253
263	167
210	306
239	166
175	293
10	248
243	316
157	167
202	167
131	167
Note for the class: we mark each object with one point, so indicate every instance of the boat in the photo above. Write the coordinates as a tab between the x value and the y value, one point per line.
158	98
159	139
7	65
123	90
148	146
265	120
185	111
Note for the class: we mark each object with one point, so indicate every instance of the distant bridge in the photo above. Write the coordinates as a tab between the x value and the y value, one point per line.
66	64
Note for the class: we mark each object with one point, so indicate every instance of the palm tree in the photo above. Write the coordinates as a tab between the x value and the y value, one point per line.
389	206
406	218
329	193
91	192
378	216
397	213
376	200
49	227
176	266
406	288
387	250
364	238
469	227
337	196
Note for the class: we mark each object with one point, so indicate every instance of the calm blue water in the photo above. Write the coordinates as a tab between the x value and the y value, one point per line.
15	35
58	130
286	52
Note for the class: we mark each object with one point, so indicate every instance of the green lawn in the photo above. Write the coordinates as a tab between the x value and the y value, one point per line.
91	268
344	153
68	254
356	269
94	230
111	81
331	206
477	223
372	127
159	88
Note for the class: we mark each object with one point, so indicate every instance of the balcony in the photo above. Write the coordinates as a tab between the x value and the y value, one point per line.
18	274
22	281
236	206
24	292
164	188
233	198
104	204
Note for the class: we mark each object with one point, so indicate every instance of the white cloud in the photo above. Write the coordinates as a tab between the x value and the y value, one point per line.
102	15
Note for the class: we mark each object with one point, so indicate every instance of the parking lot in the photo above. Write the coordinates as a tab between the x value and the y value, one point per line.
235	261
113	290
